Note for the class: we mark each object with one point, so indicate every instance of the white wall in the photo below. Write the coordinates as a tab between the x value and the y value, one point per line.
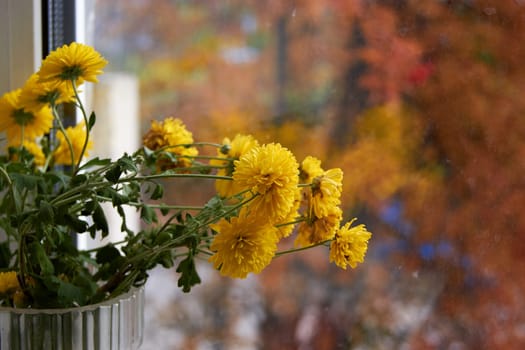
20	41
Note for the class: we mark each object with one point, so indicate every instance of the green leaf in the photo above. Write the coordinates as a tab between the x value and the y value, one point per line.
77	225
16	198
166	260
113	174
24	181
70	295
54	178
107	254
189	276
84	280
117	198
92	120
39	255
123	226
164	209
88	207
127	163
148	214
46	213
162	237
79	179
92	230
131	190
100	221
5	255
148	151
158	192
95	162
109	259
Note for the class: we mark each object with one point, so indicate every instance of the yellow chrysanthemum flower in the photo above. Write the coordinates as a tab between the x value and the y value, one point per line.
18	123
8	282
326	192
350	245
36	151
172	136
242	245
77	136
36	95
287	224
231	151
272	173
310	168
76	62
316	230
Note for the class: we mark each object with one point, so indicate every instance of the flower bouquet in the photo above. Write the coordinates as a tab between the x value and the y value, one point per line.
51	192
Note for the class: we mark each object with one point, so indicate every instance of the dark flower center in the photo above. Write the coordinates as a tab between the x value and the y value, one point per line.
71	73
22	117
50	97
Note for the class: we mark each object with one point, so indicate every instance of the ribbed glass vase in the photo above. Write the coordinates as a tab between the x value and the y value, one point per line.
116	324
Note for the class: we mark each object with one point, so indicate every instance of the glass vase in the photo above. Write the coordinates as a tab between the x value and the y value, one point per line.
116	324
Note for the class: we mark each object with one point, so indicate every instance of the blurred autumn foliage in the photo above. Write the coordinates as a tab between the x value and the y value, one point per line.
419	102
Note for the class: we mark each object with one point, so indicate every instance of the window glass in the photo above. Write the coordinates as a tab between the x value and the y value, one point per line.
419	102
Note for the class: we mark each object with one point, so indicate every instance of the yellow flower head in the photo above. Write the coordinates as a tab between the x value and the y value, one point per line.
286	226
350	245
229	152
242	245
316	230
77	137
310	168
18	123
272	173
36	151
36	95
325	192
8	282
76	62
172	136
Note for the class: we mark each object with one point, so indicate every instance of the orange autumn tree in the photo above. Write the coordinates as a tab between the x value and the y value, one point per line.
464	92
420	104
480	144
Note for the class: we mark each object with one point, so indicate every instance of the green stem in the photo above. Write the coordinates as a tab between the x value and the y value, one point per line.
86	122
296	221
294	250
167	176
70	198
63	131
157	206
6	176
12	190
126	275
201	167
212	144
195	144
67	197
22	256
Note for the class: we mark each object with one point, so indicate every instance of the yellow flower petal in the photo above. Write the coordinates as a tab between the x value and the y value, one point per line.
76	61
242	245
272	173
350	245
